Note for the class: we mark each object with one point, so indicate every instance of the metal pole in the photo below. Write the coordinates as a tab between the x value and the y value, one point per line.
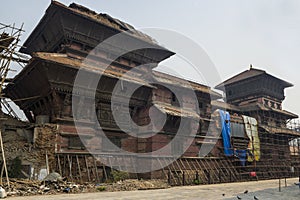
183	178
279	185
285	184
197	176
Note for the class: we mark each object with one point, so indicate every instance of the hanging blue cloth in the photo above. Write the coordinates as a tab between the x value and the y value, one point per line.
225	122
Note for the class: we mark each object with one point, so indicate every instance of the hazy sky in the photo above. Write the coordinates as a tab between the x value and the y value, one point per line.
234	33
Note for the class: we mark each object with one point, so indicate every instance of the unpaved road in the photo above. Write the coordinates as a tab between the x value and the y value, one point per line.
262	189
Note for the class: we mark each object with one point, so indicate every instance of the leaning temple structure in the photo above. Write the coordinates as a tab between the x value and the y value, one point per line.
248	136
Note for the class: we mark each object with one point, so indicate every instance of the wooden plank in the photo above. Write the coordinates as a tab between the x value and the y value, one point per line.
163	169
187	171
70	167
47	163
170	171
96	169
174	169
87	168
199	165
1	175
225	168
220	170
59	165
79	168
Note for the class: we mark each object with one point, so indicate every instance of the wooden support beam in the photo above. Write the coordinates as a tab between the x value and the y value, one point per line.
87	168
4	160
59	165
79	168
162	168
96	169
70	166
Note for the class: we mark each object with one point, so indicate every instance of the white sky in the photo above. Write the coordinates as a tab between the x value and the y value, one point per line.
233	33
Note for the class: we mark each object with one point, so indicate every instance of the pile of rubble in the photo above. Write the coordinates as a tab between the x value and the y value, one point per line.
55	184
134	184
26	188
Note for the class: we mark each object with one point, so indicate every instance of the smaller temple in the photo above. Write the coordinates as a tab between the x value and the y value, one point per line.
259	94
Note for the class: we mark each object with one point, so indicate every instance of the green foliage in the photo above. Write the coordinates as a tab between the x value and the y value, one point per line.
119	175
197	182
101	188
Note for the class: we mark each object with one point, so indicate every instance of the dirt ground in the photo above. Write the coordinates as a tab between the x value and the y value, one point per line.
261	189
